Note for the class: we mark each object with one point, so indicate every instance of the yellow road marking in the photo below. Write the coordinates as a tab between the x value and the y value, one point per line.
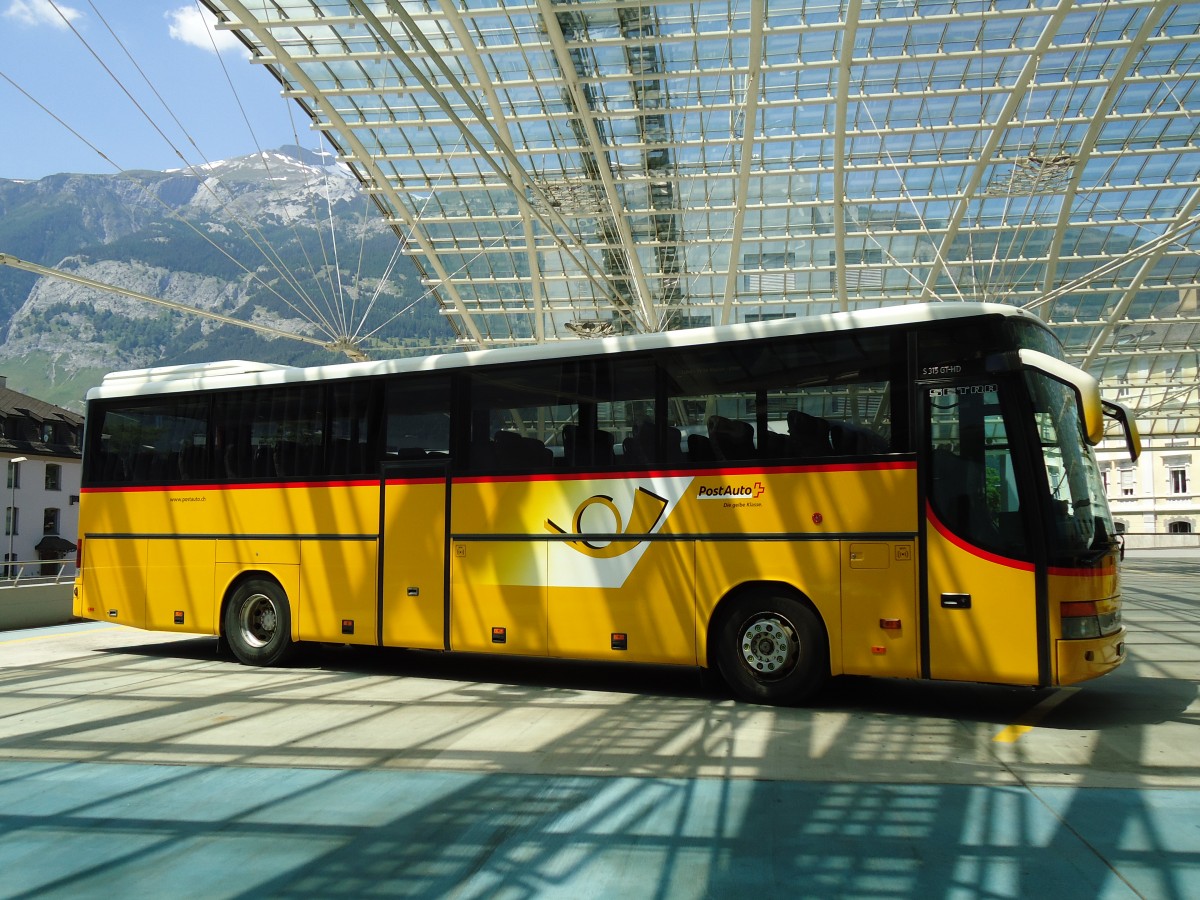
1013	732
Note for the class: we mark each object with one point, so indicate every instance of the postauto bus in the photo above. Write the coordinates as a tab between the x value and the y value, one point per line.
906	492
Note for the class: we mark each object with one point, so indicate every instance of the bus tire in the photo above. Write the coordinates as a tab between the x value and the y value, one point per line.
258	623
772	649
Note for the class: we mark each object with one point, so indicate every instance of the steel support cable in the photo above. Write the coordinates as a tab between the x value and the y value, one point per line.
169	210
427	294
1045	172
52	115
583	116
482	120
374	177
1003	122
1154	246
153	124
277	263
454	15
345	328
1151	253
1108	100
45	271
749	114
840	112
907	195
383	279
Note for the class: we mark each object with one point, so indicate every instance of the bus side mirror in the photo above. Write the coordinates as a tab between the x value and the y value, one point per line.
1118	412
1085	387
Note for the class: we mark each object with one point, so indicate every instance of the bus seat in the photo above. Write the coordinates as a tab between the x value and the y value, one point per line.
632	452
639	446
731	438
700	448
193	462
515	452
293	458
675	451
775	444
587	448
143	465
113	467
849	438
808	435
262	463
482	454
239	460
348	458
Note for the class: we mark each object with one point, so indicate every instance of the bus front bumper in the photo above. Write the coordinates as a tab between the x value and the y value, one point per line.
1081	660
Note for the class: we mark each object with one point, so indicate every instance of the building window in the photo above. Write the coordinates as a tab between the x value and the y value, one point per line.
12	520
14	475
1127	479
50	522
1179	481
53	477
1179	528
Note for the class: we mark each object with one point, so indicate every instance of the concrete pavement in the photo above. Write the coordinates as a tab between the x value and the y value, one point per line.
137	764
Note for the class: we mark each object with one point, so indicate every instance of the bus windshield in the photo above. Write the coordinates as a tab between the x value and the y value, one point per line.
1078	519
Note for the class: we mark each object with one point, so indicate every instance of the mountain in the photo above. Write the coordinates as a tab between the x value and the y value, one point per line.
284	238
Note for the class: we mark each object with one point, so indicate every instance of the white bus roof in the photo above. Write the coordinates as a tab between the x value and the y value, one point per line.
240	373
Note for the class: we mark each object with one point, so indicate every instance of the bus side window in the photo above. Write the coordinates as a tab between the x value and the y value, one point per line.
517	417
353	425
417	419
146	443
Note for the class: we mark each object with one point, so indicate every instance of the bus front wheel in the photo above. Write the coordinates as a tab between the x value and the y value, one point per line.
771	649
258	623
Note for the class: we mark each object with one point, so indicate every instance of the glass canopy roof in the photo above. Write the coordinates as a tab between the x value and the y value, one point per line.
564	169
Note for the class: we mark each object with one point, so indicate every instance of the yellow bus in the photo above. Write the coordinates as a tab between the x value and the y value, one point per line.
906	492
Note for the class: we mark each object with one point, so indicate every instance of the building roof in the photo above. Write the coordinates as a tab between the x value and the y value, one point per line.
569	168
15	405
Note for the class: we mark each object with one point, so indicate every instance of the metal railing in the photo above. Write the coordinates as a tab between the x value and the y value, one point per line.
30	571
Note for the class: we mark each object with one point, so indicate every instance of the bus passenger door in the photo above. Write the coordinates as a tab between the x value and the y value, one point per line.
981	599
412	595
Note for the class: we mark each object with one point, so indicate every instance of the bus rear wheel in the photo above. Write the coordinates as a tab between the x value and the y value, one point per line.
258	623
771	649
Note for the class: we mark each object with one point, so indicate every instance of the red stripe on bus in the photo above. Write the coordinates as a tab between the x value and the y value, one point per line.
971	548
634	475
603	475
227	486
1068	572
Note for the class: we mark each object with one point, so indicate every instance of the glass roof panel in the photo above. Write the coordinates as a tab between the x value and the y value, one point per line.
587	165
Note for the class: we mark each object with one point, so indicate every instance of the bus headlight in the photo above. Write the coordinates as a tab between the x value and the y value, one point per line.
1080	620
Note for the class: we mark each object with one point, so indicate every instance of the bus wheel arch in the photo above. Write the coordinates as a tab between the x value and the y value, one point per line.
256	620
770	644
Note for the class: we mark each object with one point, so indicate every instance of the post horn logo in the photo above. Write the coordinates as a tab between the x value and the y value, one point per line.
648	508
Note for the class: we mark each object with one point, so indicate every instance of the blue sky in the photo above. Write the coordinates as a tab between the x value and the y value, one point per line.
57	53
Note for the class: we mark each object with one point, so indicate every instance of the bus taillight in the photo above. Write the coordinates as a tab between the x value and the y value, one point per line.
79	554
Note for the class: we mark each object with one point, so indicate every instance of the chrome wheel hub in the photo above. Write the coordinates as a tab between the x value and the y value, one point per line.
769	645
259	619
